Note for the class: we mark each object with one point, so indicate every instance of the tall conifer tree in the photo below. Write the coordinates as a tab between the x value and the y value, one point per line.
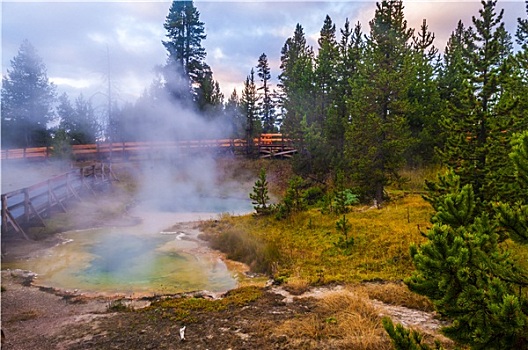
325	71
233	111
455	68
209	98
520	79
27	98
350	49
296	83
479	123
378	135
186	57
249	107
424	98
267	108
79	121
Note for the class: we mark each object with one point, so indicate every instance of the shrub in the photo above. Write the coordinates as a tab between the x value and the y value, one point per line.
313	195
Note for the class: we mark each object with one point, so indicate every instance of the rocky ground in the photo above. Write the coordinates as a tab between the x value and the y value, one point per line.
38	318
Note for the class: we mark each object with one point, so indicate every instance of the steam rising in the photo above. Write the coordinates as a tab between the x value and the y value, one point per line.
170	181
186	179
142	259
189	185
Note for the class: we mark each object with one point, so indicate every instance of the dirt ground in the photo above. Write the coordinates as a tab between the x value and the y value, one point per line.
42	318
35	318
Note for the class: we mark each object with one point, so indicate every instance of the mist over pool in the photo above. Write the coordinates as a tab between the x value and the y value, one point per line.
162	254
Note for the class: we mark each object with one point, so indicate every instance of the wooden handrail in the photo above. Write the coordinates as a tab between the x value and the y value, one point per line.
274	140
25	204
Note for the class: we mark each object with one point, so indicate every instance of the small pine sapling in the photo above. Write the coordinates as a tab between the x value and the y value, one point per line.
293	200
405	339
343	227
259	196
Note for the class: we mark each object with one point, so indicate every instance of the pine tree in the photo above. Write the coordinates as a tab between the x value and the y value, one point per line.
84	127
466	270
315	155
455	67
378	134
260	196
65	112
424	99
519	83
79	122
266	105
248	103
479	124
185	63
293	200
405	339
61	139
27	98
325	71
350	50
233	111
296	83
514	217
209	98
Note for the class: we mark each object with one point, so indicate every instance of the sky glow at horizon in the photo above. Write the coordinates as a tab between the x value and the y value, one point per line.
80	42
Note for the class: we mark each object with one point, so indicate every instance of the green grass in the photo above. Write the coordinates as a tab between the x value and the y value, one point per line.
306	245
184	309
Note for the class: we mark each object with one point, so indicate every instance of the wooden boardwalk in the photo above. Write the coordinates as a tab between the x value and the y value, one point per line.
268	146
28	206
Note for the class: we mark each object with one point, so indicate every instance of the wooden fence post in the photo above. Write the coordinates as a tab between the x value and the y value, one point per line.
50	196
26	205
7	218
4	213
70	189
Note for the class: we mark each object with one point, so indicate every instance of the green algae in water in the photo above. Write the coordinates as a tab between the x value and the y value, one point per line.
116	261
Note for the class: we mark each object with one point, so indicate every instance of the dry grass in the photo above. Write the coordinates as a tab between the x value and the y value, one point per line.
24	316
396	294
413	180
297	286
342	320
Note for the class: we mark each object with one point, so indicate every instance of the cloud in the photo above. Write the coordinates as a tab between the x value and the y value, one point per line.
75	83
80	42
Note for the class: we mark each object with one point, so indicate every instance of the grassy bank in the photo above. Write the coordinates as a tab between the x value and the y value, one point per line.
308	247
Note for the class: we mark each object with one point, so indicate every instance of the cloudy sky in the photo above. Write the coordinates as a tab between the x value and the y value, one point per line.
82	43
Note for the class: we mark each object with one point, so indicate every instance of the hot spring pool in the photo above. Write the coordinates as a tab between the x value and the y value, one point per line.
146	259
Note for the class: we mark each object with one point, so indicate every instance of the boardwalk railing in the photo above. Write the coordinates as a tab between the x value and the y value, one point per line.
269	145
29	205
275	145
